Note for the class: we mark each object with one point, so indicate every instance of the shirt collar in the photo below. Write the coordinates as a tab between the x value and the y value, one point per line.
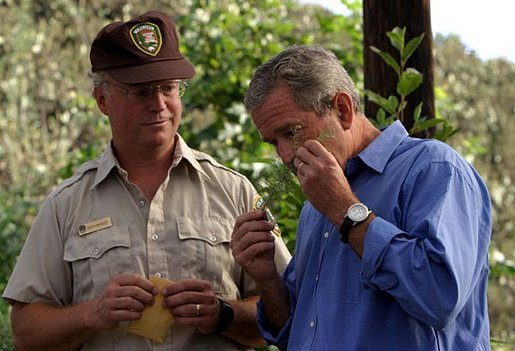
183	151
379	151
108	160
105	164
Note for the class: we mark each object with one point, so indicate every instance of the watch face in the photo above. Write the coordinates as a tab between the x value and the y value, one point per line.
358	212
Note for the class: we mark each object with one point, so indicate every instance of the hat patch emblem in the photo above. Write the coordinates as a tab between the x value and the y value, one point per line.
147	37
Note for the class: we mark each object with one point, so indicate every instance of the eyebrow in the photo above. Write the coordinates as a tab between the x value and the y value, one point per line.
279	130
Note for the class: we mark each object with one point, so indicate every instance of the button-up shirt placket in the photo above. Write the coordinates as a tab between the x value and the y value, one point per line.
157	264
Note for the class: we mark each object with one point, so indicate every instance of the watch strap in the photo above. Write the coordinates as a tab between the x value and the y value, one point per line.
225	318
345	229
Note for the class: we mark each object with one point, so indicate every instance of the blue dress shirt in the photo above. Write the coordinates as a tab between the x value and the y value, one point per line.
422	282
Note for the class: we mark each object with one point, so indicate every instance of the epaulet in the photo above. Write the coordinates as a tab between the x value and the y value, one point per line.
203	157
79	173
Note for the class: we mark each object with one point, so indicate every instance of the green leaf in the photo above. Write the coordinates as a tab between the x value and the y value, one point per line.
423	124
445	132
388	59
380	116
402	106
379	100
381	121
396	36
409	80
417	112
411	47
393	101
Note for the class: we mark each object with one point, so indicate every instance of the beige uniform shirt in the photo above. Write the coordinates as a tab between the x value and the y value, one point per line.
183	233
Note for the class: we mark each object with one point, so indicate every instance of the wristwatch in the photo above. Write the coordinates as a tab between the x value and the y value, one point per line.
226	317
356	214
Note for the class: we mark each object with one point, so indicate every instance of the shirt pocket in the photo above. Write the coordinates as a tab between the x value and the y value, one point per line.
205	252
97	257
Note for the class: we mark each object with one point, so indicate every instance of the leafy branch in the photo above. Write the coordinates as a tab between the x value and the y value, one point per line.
409	79
283	179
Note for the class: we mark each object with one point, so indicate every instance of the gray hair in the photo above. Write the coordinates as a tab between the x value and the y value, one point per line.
311	73
98	78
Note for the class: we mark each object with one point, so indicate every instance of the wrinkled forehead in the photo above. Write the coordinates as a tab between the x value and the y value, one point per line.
277	115
279	103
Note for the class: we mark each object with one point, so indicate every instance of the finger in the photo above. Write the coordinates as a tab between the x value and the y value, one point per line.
134	280
133	292
124	315
258	224
203	321
181	303
248	217
316	148
188	285
252	245
126	303
256	233
298	163
311	150
256	249
188	310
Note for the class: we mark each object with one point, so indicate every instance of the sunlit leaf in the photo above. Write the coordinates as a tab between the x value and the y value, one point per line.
387	58
396	36
410	80
411	47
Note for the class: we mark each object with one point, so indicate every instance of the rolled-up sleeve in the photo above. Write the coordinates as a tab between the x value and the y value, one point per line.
431	265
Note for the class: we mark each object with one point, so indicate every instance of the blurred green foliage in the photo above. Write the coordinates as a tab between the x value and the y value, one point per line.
50	124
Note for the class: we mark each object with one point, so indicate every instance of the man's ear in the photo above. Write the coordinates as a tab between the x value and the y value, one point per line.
344	106
100	97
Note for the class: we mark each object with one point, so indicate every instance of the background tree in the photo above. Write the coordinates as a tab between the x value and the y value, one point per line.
380	17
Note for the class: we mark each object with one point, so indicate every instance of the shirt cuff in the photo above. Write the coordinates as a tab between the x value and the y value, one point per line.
273	336
379	235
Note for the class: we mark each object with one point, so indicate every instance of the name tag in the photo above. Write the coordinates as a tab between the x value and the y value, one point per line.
95	225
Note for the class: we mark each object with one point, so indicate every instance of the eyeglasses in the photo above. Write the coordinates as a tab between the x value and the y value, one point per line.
141	93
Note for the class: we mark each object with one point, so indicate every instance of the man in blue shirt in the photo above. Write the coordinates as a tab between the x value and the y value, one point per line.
392	244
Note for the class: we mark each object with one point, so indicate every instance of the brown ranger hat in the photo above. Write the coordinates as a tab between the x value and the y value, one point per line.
141	50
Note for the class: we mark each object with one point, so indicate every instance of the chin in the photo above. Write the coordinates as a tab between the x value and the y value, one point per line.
164	140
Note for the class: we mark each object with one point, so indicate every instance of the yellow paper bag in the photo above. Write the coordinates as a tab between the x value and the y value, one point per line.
156	320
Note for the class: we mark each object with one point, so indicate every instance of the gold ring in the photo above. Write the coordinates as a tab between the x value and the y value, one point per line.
197	310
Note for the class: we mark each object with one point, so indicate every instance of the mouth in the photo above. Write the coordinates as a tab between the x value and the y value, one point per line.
158	123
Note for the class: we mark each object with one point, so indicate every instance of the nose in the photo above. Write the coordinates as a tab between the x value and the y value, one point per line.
158	101
284	149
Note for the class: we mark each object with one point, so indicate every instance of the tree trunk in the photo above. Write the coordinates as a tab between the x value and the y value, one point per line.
381	16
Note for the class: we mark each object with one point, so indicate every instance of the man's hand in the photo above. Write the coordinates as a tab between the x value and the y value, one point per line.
323	181
124	299
192	303
253	246
40	326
